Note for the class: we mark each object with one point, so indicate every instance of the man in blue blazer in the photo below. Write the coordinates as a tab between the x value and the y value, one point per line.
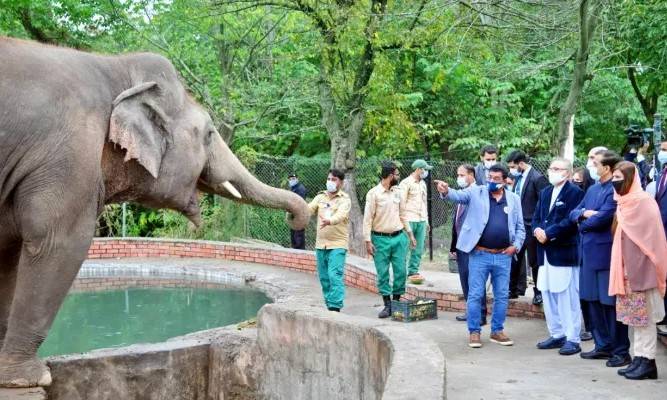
595	215
557	258
492	233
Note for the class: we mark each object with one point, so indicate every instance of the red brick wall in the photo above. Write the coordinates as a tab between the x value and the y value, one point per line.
295	260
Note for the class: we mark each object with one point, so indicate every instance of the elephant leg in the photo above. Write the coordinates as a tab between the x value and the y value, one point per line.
9	257
52	252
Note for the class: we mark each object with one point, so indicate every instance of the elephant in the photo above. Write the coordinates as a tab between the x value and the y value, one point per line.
78	131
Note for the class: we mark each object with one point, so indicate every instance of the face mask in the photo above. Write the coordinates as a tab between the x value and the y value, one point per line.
662	156
462	182
493	186
424	174
555	178
515	172
293	182
617	186
489	164
594	173
580	185
332	187
589	163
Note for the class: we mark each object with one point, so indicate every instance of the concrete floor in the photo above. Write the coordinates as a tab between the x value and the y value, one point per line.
492	372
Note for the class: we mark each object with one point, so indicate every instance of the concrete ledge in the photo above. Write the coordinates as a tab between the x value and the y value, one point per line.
295	353
23	394
359	272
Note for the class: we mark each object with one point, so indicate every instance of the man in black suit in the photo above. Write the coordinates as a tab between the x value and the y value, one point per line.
528	183
488	157
298	238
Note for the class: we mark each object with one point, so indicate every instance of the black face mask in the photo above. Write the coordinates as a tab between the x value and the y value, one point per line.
617	186
579	184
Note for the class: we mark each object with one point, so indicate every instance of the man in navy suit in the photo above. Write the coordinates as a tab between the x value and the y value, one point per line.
661	198
528	183
595	215
557	257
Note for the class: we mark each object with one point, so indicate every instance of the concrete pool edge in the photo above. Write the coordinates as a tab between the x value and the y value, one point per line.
295	352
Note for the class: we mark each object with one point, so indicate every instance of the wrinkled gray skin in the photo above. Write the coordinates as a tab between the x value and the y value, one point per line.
78	131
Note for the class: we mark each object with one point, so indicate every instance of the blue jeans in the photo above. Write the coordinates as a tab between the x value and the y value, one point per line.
462	262
480	265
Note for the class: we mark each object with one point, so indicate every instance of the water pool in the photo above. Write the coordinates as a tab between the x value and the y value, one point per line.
115	318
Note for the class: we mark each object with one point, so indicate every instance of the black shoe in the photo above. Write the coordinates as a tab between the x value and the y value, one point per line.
633	365
537	300
646	370
514	295
336	309
386	311
586	336
569	348
551	343
619	361
397	297
595	355
462	318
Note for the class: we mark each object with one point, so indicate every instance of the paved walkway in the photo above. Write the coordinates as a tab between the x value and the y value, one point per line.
494	371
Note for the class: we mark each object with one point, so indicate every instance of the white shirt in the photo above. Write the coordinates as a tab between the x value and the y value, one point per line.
524	178
555	194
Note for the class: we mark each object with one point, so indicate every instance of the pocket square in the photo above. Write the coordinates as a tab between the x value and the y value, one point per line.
559	204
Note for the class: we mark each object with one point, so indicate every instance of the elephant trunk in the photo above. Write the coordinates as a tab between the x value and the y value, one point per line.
226	176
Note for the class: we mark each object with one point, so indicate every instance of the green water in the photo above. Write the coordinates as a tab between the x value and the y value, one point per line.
97	320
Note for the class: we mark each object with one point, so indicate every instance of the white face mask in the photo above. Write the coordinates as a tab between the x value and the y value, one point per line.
589	164
293	182
462	182
332	187
515	172
424	174
489	164
556	178
594	172
662	156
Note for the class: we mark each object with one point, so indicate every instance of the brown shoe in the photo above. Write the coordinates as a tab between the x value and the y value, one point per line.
475	341
501	339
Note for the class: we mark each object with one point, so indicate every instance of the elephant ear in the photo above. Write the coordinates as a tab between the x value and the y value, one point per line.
139	126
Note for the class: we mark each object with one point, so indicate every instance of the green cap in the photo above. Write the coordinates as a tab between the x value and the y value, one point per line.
421	164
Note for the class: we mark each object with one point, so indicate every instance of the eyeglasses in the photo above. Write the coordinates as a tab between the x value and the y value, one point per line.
553	169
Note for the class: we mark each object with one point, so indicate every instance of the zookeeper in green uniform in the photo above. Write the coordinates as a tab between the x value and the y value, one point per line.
385	228
416	210
333	209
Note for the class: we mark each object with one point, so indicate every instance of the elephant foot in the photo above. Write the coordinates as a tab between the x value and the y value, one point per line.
23	374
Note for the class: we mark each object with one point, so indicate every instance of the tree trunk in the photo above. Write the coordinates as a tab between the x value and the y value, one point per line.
649	102
588	18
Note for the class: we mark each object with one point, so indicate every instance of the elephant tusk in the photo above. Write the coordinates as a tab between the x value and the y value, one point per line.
231	189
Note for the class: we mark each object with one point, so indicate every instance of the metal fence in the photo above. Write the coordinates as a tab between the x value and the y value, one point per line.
312	174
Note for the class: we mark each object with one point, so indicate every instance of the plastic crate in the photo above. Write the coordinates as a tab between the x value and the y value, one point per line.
414	310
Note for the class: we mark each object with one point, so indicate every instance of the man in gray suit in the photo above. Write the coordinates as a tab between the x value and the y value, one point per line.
492	232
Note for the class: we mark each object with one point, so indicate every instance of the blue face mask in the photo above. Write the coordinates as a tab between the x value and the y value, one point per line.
493	186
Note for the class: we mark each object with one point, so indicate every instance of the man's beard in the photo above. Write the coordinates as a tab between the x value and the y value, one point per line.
393	182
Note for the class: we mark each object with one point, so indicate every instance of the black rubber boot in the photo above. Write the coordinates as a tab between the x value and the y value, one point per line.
386	311
334	309
633	365
397	297
646	370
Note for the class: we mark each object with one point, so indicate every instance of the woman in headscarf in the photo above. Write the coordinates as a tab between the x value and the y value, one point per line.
638	268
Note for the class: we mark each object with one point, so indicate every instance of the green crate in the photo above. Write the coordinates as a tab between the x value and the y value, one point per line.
419	309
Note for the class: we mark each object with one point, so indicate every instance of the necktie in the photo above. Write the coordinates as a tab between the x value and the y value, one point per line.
517	185
459	213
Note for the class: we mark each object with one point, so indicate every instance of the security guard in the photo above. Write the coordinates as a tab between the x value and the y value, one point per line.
416	210
333	209
385	228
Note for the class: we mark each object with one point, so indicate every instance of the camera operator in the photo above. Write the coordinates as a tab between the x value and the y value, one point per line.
636	149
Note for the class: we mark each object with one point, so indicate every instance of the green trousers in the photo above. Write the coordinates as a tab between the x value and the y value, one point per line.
390	250
331	271
419	230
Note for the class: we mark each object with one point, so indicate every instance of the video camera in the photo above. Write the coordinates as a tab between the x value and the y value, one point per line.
638	137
